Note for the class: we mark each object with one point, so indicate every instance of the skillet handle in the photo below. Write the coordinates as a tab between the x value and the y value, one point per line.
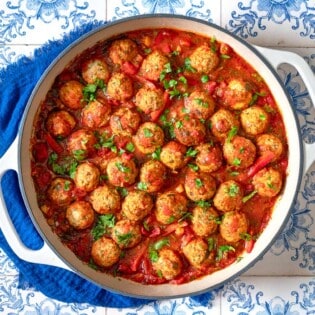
278	57
43	255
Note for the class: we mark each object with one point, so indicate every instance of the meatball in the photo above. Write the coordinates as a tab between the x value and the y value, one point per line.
137	205
254	120
149	137
199	185
237	95
95	69
149	100
189	131
204	220
200	104
209	157
120	87
173	155
239	152
203	59
81	143
126	233
105	199
121	171
60	123
168	264
87	176
71	94
123	50
221	122
228	196
234	224
152	175
80	215
268	182
170	206
196	252
105	252
125	121
268	143
60	191
153	65
95	114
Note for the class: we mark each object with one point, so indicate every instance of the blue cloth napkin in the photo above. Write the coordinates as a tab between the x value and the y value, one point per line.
16	84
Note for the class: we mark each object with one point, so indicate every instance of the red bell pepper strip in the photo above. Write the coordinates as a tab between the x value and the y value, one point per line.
53	143
260	163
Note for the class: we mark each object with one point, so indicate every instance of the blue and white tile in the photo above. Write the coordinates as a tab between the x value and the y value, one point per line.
174	307
268	22
269	296
204	10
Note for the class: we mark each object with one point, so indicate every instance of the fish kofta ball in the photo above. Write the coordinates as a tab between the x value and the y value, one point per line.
170	206
105	252
60	123
105	199
126	233
173	155
121	171
95	114
233	226
254	120
95	69
229	196
149	100
120	87
80	214
86	176
125	121
81	143
199	185
153	65
269	143
71	94
204	220
237	95
209	157
189	131
137	205
149	137
222	122
152	175
203	59
196	252
200	104
168	264
60	191
123	50
239	152
268	182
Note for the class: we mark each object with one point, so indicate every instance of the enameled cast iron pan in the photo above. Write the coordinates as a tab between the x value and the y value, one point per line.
18	157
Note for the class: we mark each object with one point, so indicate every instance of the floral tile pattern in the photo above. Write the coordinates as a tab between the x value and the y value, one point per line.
283	281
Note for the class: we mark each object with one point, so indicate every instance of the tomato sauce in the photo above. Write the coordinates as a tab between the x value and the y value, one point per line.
187	152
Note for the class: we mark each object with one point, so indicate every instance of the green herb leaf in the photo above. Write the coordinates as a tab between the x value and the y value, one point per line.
224	249
161	243
103	223
122	168
249	196
191	152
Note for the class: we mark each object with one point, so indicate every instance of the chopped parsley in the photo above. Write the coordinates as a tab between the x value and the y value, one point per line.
223	249
90	90
103	223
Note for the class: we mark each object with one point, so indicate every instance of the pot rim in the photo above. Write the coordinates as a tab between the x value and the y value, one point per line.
26	117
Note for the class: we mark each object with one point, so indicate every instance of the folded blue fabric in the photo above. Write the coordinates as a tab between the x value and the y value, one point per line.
16	84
